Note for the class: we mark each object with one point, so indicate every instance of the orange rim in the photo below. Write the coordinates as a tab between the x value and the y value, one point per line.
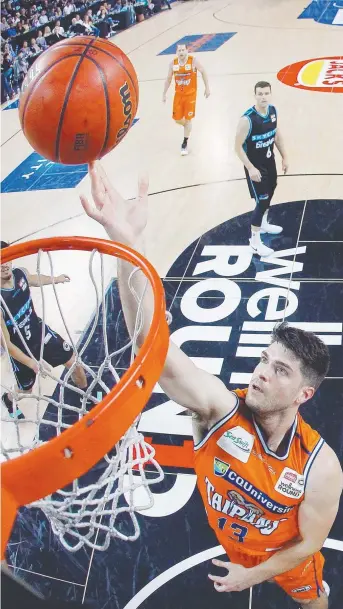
45	469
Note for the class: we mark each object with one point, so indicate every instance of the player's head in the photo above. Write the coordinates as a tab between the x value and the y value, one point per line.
182	51
6	268
263	93
290	371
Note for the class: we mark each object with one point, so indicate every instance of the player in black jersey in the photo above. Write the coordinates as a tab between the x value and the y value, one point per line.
256	135
16	294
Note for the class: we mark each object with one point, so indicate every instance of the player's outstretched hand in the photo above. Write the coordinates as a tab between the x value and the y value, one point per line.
124	221
164	99
43	367
207	93
255	174
62	278
284	165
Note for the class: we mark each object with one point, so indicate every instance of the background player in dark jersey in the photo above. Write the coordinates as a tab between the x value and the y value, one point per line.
15	292
257	133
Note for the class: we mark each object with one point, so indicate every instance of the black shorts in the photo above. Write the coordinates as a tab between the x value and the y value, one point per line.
56	352
265	188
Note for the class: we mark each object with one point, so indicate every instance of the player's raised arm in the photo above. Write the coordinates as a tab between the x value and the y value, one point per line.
124	222
35	281
168	82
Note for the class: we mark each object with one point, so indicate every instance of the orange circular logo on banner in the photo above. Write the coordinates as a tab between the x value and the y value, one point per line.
324	74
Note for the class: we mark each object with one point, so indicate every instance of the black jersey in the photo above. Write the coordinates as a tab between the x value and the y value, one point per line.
19	302
259	144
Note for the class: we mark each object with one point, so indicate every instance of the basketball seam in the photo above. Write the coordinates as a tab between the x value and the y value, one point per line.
66	98
80	44
107	100
38	81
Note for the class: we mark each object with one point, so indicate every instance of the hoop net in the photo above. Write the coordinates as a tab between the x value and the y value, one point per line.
101	504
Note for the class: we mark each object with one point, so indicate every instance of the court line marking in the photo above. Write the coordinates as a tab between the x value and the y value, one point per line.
192	561
65	581
174	189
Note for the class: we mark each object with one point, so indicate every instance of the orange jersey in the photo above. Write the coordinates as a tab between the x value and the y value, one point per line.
252	495
185	77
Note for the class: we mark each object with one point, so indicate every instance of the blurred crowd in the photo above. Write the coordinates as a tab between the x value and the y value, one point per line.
28	28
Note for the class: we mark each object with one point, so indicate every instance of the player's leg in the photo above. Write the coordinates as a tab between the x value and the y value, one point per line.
189	113
58	352
322	602
25	379
178	115
259	192
266	227
186	133
78	374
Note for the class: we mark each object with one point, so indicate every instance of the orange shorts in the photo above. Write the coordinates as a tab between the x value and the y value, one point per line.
302	583
183	107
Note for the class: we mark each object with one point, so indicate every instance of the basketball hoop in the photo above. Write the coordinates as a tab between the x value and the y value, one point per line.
49	471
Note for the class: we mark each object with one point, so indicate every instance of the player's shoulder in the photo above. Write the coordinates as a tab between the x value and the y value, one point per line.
19	272
328	460
249	112
326	471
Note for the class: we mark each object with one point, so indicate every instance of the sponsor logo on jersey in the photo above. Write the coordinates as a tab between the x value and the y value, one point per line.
223	470
23	284
324	74
290	484
264	460
265	144
237	507
183	82
263	136
302	589
291	477
21	312
48	337
237	442
66	347
273	118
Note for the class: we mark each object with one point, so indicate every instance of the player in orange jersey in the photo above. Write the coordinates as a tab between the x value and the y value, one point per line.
270	484
185	68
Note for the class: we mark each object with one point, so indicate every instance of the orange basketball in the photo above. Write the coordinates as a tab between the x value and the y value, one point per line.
78	100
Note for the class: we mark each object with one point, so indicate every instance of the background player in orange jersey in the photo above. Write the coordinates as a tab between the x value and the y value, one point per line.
184	68
270	483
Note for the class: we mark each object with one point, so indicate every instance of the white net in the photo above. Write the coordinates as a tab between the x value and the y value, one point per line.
102	504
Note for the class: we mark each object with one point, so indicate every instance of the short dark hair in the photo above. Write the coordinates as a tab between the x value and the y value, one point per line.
262	84
312	353
4	244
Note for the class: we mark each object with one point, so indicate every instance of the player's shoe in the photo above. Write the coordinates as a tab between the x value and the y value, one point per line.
184	150
15	413
272	229
260	249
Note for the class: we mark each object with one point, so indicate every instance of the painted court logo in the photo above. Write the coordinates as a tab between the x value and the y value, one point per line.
324	74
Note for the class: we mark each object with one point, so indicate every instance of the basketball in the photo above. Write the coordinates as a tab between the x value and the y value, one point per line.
78	100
